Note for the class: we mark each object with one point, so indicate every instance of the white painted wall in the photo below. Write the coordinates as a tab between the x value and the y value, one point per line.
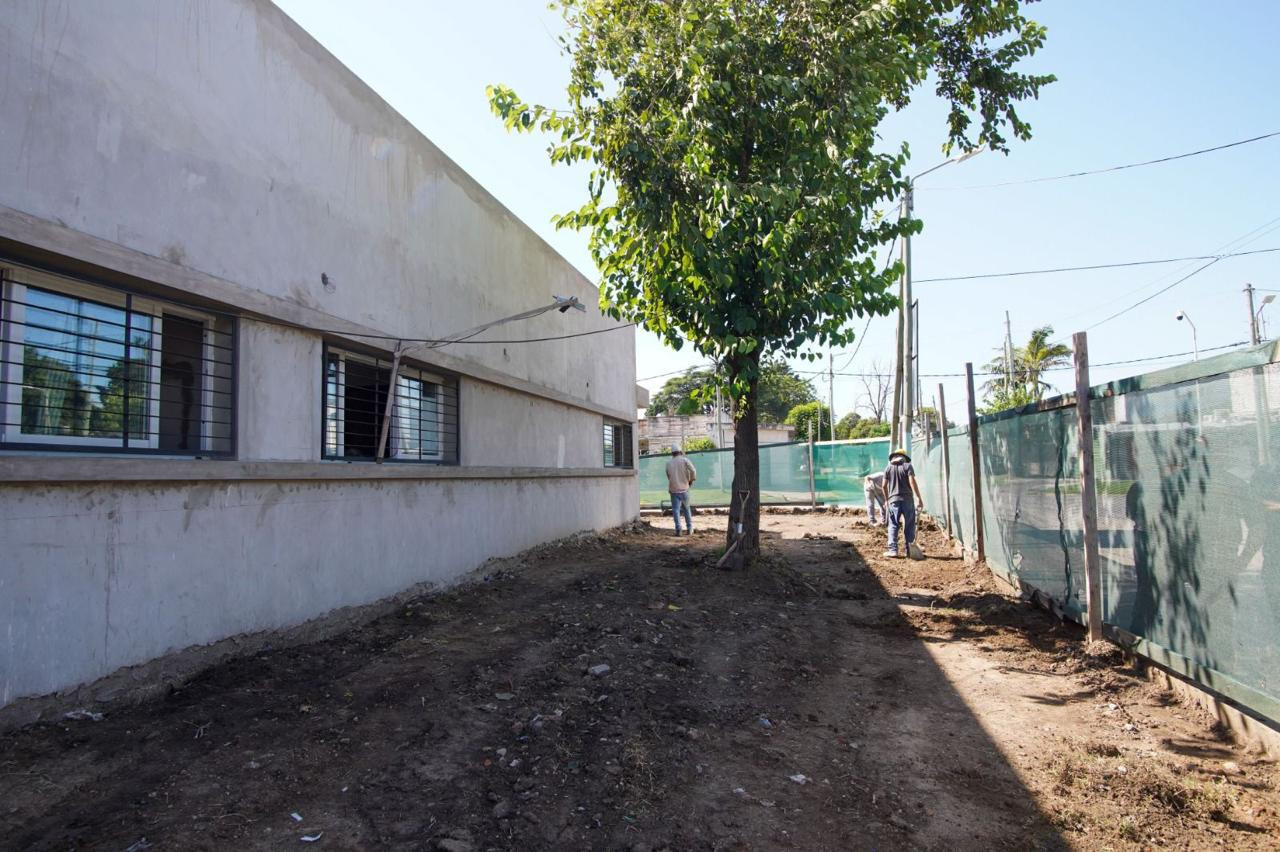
214	148
101	576
221	137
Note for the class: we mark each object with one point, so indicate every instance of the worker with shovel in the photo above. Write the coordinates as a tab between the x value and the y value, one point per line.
899	486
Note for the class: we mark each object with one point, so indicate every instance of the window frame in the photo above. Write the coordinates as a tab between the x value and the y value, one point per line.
333	416
17	279
617	434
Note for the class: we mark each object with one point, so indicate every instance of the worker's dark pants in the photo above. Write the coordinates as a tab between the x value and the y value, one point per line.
902	513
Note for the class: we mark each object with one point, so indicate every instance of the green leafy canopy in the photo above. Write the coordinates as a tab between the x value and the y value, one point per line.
736	167
693	392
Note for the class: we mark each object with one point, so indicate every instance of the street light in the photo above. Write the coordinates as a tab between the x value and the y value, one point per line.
904	395
1259	320
561	304
1195	347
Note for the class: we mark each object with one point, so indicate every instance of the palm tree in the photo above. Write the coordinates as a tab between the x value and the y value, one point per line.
1019	381
1038	356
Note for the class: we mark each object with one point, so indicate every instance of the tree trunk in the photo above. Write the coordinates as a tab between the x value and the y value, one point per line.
746	465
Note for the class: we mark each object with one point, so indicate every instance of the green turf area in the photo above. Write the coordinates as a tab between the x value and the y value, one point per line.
719	497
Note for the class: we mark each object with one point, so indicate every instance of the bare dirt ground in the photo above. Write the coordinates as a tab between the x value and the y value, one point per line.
825	699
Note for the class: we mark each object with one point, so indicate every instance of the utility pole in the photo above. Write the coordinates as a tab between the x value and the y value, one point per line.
904	387
1253	316
897	380
915	361
831	392
1008	355
908	337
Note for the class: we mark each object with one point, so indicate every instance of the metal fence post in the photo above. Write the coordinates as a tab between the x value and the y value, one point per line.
813	494
1088	492
975	460
946	462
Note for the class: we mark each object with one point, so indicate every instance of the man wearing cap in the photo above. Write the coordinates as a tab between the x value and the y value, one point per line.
681	475
899	486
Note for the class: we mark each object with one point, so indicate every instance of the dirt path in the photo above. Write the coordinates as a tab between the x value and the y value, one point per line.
828	699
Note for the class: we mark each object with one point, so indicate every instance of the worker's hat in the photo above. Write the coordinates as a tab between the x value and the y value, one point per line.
899	452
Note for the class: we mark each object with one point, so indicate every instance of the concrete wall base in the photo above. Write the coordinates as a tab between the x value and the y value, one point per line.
1247	730
153	679
1244	728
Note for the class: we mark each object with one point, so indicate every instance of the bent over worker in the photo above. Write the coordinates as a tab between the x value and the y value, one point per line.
899	487
873	490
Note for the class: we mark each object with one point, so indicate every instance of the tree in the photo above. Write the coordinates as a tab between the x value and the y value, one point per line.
810	418
875	391
692	392
845	425
1020	382
929	413
698	444
1040	355
1002	399
680	394
737	168
869	429
781	389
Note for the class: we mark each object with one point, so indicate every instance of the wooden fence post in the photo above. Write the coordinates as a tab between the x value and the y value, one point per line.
975	460
1088	492
946	462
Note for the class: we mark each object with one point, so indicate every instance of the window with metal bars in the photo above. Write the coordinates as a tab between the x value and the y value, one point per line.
617	445
86	367
424	413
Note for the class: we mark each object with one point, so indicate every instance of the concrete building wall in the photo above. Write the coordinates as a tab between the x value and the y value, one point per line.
222	138
213	153
98	576
279	375
502	427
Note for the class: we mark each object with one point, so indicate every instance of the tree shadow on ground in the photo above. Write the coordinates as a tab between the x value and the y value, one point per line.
739	710
948	783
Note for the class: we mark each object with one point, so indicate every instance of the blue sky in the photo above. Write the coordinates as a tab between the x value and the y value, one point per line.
1138	79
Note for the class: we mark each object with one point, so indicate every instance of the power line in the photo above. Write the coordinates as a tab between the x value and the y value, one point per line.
1245	239
1109	169
1054	270
677	372
1050	369
865	327
1162	290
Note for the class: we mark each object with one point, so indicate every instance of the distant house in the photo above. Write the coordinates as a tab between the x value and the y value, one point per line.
212	236
663	433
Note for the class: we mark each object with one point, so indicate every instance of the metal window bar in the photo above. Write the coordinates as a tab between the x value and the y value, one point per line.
424	418
85	367
618	451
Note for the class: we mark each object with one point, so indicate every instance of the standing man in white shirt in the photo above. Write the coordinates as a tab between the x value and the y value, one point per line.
681	474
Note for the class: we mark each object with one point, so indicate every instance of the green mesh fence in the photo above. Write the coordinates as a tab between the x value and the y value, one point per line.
838	469
929	472
1187	474
1188	480
927	460
1031	515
